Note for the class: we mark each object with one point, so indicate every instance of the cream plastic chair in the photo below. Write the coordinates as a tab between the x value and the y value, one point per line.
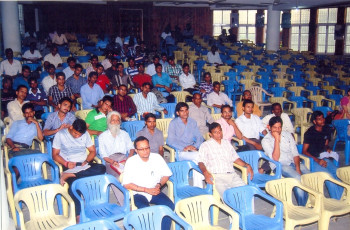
249	83
80	103
257	95
248	75
82	113
180	95
86	64
320	99
284	82
297	90
195	210
344	174
179	56
331	207
163	125
302	120
283	101
40	202
282	189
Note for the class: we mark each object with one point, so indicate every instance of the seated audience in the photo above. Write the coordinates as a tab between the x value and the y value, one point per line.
76	81
121	78
214	56
61	119
124	103
151	68
69	70
59	91
36	97
316	146
153	134
10	66
145	174
53	57
200	114
93	67
141	77
102	79
345	105
14	108
22	132
280	146
112	73
206	87
59	39
163	61
247	95
146	101
91	93
69	157
216	157
162	81
107	62
216	98
50	79
277	111
174	70
187	80
7	95
32	55
96	121
23	78
132	69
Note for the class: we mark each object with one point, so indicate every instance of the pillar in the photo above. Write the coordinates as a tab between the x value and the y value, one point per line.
273	29
36	11
339	44
10	25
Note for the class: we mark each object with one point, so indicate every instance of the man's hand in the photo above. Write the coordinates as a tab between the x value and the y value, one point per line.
250	171
202	91
15	149
32	120
63	126
144	114
165	111
124	116
321	162
208	178
190	148
298	171
71	165
277	136
152	191
168	89
257	146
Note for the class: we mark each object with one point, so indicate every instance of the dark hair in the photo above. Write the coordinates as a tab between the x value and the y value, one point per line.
78	66
21	86
32	79
51	66
274	105
140	64
123	86
171	58
275	120
131	58
65	99
25	67
157	65
99	65
140	138
150	115
92	74
216	83
118	64
93	57
185	65
27	106
154	57
226	106
213	125
247	102
79	125
107	98
245	91
197	94
163	54
6	79
316	114
8	50
180	105
146	83
59	74
71	59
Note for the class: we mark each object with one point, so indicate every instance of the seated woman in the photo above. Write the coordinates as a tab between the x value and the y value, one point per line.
345	105
206	87
154	135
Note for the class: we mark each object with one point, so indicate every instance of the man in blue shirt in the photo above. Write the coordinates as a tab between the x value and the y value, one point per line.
91	93
163	82
76	81
22	80
36	97
22	132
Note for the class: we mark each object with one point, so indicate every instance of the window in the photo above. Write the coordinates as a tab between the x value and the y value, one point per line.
246	29
299	33
327	18
347	31
21	19
221	20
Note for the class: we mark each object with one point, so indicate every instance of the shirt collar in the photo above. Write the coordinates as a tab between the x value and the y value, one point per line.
31	92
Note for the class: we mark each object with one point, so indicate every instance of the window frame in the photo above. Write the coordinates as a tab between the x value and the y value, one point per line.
328	25
222	25
300	25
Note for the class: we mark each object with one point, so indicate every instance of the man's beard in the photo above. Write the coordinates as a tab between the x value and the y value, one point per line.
114	129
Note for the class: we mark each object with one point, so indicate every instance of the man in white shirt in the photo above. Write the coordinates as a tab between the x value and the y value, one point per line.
151	68
14	108
187	80
200	114
277	111
146	173
69	70
53	57
216	98
146	101
59	39
214	57
50	79
280	146
107	62
32	55
10	66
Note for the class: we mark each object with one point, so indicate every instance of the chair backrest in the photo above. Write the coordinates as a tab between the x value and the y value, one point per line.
150	218
241	198
163	125
323	109
341	127
315	180
282	189
344	174
132	127
94	225
82	113
44	116
301	115
170	107
180	170
257	93
278	91
180	95
252	157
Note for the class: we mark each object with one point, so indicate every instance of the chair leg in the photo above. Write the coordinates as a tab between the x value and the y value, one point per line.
347	152
12	207
323	223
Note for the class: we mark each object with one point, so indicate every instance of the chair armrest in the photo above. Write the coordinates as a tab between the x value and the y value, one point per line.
332	102
278	165
55	167
309	91
318	197
240	142
172	152
277	203
308	161
59	166
97	160
162	114
41	144
234	222
244	172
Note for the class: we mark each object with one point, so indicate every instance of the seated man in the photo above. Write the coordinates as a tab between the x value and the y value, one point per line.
93	67
316	146
216	158
174	70
187	80
114	145
69	149
69	70
141	77
216	98
280	146
163	82
53	57
145	174
132	69
91	93
277	111
124	103
121	78
250	126
102	79
14	108
61	119
146	101
76	81
153	134
247	95
32	55
22	132
151	68
200	114
36	97
10	66
96	121
50	79
59	91
214	56
23	78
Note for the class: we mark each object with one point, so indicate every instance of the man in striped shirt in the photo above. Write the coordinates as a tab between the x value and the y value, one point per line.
132	69
124	103
57	92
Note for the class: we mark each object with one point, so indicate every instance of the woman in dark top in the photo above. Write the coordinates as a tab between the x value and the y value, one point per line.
7	95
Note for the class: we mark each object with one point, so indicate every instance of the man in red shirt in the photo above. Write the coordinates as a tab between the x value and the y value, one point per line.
102	79
124	104
141	77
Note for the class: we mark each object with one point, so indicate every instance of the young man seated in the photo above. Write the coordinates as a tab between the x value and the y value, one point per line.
59	91
187	80
91	93
277	111
124	103
14	108
216	98
247	95
141	77
22	132
36	97
76	81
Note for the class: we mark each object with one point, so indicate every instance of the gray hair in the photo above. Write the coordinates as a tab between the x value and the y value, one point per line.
110	114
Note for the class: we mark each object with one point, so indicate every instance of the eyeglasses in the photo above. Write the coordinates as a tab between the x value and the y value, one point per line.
144	149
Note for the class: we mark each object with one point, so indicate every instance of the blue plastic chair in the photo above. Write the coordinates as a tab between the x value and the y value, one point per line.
181	173
252	157
323	109
342	135
82	59
302	102
94	225
336	98
241	199
132	127
278	91
150	218
170	107
95	202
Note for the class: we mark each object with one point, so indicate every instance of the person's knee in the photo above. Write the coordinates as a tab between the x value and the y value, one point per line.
140	201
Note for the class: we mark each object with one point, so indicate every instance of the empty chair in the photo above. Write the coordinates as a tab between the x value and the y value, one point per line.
94	225
151	218
195	210
180	95
95	203
341	127
40	201
344	174
132	127
302	120
302	102
259	95
331	207
170	107
322	101
241	199
282	189
324	109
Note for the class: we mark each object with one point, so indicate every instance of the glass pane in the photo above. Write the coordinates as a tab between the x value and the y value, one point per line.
332	18
294	40
305	16
321	49
304	39
295	29
294	47
295	16
322	16
251	16
265	18
242	36
321	39
251	37
331	29
242	29
322	29
347	39
304	29
217	17
217	30
330	49
243	14
348	15
347	49
251	29
304	48
226	18
331	40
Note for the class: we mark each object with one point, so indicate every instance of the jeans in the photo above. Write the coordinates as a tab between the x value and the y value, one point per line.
335	191
289	171
160	199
